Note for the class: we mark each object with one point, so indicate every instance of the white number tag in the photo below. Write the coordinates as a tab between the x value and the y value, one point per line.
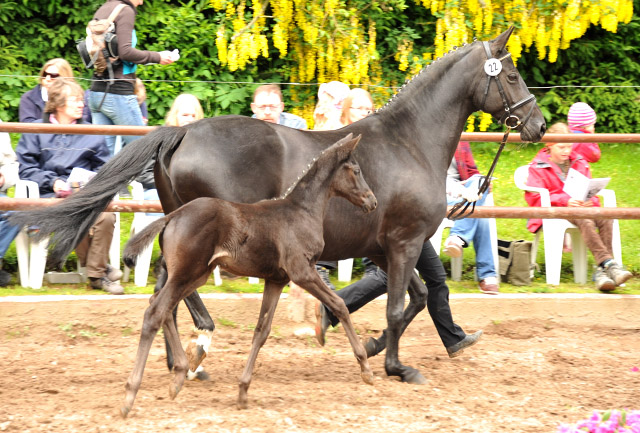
492	67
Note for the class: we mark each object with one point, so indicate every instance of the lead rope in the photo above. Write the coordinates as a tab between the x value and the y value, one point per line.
458	211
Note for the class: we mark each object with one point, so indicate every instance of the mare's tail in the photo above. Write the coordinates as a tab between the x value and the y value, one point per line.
138	243
71	220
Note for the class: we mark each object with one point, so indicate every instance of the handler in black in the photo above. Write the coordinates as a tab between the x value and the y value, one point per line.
367	289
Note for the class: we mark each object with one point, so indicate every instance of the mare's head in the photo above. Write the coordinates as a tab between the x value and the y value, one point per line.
347	181
502	91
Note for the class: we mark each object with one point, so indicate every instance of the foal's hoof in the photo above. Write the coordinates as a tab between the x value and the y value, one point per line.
124	411
367	377
413	376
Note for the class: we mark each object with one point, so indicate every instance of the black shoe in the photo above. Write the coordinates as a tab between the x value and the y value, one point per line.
324	274
468	341
107	285
5	278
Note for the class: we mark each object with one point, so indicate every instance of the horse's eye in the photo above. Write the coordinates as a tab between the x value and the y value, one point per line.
356	172
512	77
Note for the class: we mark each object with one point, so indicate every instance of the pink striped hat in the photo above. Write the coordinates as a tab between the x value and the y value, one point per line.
581	114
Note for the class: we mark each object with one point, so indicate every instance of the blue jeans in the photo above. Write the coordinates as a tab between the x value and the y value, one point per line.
476	230
115	110
152	194
8	232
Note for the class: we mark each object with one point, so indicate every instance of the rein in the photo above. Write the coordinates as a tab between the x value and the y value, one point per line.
493	67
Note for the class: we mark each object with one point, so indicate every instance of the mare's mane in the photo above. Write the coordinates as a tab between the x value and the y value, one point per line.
410	83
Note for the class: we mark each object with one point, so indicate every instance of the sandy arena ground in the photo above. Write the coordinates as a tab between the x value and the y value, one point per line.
543	360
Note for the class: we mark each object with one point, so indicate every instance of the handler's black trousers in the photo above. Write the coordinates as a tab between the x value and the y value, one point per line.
430	267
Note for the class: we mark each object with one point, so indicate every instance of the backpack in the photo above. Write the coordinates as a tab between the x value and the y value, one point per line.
99	50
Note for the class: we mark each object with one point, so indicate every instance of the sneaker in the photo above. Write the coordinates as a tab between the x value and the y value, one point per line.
489	286
603	282
453	246
107	285
468	341
617	273
324	274
113	274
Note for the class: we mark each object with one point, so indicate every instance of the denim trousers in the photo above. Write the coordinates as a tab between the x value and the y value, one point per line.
430	267
115	110
476	231
8	233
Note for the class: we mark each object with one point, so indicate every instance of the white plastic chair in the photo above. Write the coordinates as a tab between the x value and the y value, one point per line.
32	255
456	262
554	231
143	263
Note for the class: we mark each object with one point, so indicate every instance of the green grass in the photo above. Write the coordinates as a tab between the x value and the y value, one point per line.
618	161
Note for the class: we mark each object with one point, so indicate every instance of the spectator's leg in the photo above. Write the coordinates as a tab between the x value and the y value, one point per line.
98	251
592	239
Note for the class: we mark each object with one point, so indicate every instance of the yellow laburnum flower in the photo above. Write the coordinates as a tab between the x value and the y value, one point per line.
485	121
471	123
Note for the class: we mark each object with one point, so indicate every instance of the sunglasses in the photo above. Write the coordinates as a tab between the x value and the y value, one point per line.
50	75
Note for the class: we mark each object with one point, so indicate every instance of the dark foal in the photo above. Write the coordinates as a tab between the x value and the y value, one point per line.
278	240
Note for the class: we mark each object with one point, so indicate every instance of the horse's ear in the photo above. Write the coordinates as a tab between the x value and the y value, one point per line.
501	41
354	143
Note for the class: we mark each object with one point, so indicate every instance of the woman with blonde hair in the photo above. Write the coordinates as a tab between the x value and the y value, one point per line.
32	102
185	109
357	105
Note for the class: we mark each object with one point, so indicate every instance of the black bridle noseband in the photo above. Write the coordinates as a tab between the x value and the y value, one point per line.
493	67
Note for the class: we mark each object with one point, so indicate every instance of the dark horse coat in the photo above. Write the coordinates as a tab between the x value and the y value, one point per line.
406	148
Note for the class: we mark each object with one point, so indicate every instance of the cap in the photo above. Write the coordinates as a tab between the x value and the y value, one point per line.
581	114
337	89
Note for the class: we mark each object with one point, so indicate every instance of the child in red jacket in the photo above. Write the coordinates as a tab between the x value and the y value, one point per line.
549	170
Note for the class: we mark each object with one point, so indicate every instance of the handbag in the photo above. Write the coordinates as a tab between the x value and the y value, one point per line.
514	259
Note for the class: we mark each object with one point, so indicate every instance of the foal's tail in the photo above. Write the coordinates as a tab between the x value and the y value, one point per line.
71	220
139	242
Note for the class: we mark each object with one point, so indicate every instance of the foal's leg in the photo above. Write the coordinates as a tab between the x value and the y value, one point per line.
154	316
313	284
181	363
270	297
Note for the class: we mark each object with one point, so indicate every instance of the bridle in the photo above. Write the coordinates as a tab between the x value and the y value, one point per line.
493	68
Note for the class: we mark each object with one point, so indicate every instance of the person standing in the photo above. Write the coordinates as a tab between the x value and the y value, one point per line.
114	102
268	105
48	160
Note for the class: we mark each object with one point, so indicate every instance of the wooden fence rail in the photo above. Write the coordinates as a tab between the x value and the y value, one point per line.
49	128
480	212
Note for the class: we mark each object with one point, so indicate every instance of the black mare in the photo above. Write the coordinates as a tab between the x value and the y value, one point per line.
406	148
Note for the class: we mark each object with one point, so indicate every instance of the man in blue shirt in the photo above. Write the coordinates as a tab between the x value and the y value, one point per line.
267	105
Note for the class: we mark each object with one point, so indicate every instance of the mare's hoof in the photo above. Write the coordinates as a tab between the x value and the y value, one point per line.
195	355
367	378
374	346
242	404
413	376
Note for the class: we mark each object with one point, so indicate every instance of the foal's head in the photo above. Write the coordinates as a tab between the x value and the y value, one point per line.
347	181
